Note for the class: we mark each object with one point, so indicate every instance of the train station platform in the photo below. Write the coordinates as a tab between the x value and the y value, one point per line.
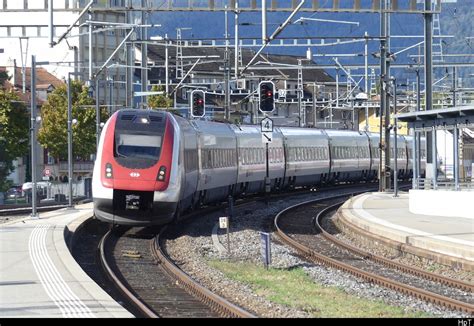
40	278
386	219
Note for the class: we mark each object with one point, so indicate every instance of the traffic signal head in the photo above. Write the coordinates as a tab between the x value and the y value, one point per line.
197	103
267	98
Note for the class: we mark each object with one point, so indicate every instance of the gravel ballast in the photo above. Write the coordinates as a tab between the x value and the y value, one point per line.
194	247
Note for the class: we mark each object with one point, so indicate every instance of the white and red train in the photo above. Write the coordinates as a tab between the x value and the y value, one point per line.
152	165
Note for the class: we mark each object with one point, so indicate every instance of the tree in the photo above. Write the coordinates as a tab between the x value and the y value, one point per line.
14	127
3	78
53	132
159	100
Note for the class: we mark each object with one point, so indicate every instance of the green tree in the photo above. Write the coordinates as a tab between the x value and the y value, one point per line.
159	101
14	127
3	78
53	132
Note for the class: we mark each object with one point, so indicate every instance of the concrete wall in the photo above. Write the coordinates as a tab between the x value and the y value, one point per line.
442	203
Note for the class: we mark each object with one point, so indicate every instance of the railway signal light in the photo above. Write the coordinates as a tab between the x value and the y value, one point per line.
198	103
267	96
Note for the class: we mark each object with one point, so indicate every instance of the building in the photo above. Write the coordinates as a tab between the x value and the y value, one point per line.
318	100
22	38
46	83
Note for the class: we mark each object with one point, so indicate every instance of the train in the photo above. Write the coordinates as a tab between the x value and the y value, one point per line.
151	166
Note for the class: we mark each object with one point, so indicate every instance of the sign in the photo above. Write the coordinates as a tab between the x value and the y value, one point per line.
266	125
148	93
223	222
46	172
267	137
265	248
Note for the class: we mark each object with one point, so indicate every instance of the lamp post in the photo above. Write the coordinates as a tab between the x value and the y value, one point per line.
70	122
33	137
34	120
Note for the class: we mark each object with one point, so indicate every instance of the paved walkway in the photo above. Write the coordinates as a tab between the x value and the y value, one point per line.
40	278
389	217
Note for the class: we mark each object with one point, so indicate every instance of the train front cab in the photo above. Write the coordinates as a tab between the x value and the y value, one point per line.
133	168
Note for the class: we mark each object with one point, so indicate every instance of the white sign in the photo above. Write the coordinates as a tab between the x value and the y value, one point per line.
223	222
148	93
267	125
265	248
267	137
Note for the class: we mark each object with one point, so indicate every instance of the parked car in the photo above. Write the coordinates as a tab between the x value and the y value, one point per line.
41	189
14	192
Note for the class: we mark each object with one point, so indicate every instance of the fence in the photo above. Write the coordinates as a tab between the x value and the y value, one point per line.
427	184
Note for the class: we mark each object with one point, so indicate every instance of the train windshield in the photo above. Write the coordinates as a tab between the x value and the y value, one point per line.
138	146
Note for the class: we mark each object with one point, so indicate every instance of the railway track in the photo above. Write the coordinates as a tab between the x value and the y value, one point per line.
137	251
135	262
300	227
21	209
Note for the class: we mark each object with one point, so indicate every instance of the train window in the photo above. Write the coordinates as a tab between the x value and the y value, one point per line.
138	146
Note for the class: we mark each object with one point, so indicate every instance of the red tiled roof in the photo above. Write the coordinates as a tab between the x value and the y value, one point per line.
43	80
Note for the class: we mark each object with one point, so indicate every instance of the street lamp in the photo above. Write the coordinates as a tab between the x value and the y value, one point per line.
34	121
70	122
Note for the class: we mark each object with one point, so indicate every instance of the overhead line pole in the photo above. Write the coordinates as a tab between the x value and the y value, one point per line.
429	82
386	60
383	97
275	34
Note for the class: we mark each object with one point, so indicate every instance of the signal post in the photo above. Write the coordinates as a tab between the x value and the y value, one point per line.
198	103
266	91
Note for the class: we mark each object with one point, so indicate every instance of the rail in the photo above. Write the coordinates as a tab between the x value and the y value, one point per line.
217	303
320	258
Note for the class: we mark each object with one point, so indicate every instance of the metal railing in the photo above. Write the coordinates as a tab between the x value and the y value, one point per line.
77	166
428	184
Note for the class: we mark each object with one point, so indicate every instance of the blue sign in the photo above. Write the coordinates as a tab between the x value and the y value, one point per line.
265	249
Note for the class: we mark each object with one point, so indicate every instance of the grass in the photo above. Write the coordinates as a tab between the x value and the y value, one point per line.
294	288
